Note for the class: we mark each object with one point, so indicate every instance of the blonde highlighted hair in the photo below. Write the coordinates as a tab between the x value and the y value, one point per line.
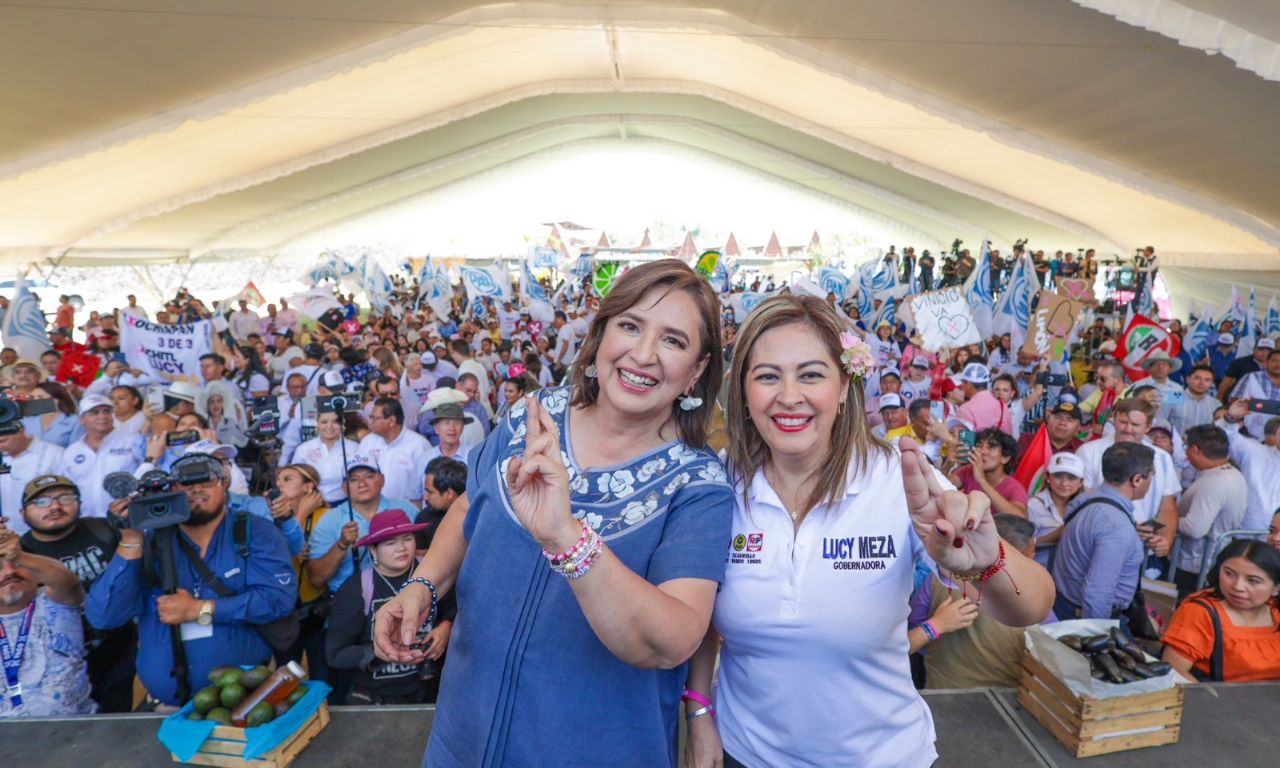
851	437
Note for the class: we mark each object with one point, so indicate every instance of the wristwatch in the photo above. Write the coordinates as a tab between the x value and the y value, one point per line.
206	614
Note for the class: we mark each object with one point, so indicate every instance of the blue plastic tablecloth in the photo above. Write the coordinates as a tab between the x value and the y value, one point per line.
183	737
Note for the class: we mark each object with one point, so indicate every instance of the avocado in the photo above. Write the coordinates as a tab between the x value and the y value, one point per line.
193	715
297	695
220	715
231	695
218	672
205	699
282	707
229	676
254	677
261	714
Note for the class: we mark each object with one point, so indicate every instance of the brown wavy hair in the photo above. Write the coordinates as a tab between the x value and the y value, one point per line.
851	437
672	275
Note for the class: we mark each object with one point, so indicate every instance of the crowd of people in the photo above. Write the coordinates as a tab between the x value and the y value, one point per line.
487	510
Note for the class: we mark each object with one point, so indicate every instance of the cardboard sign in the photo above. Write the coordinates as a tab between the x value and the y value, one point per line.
1076	289
1051	324
944	320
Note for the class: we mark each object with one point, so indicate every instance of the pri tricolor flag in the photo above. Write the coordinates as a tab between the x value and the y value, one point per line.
250	294
1030	471
1140	340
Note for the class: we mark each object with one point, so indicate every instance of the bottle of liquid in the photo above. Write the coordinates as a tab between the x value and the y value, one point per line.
284	681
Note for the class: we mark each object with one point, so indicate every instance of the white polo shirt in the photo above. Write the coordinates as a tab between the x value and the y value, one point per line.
40	458
327	462
403	462
1165	481
814	668
86	467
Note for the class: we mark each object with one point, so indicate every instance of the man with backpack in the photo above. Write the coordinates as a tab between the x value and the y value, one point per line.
234	582
84	546
1098	565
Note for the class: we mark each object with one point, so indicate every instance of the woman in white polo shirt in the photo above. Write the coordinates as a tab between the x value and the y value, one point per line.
813	608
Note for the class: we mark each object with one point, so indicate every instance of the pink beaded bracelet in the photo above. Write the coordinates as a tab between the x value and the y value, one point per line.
571	551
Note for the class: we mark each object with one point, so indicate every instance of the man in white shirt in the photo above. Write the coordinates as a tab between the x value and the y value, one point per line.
1197	406
1260	463
1132	418
1259	385
287	317
101	451
28	458
134	309
466	362
507	319
309	369
243	322
1214	504
567	341
401	454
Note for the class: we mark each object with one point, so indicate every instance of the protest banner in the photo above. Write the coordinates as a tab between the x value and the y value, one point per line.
166	352
943	319
1051	324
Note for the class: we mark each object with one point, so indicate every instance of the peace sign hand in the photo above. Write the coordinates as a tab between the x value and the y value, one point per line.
538	483
957	529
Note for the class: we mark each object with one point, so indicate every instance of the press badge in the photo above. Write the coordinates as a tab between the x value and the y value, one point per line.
190	630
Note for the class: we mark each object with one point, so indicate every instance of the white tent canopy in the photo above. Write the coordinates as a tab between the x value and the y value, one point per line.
143	130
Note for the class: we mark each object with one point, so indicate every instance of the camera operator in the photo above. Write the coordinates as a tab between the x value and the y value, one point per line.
27	458
51	507
103	450
40	613
215	630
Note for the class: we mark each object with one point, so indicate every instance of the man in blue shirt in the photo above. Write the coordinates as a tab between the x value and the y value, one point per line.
215	630
1099	559
333	537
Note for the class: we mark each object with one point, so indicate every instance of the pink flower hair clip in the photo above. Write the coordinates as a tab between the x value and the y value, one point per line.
857	358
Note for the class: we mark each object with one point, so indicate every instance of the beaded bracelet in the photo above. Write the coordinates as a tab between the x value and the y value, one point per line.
585	556
435	597
986	575
569	553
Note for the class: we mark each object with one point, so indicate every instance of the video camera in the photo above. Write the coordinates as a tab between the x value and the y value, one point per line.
266	417
12	411
153	504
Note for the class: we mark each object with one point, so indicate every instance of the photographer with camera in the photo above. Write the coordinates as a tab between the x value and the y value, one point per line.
23	458
51	507
103	450
233	579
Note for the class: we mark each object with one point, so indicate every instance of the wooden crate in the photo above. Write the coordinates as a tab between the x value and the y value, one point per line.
225	746
1087	726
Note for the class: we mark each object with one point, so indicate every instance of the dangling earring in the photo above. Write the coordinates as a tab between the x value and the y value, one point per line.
689	402
590	371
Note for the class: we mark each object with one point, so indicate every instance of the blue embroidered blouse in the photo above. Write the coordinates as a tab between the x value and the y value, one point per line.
527	682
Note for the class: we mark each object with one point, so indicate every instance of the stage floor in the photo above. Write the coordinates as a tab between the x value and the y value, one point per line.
1222	725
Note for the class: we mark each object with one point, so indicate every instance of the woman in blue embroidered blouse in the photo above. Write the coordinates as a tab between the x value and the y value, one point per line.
574	653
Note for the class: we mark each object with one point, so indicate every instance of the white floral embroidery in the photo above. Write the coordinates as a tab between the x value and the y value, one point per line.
518	435
595	521
651	468
712	471
579	485
622	483
682	454
517	411
639	510
555	401
677	482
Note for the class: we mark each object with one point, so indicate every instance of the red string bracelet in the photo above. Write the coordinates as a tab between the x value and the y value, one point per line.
987	575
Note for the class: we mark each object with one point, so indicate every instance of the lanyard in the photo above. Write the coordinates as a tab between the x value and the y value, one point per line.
12	657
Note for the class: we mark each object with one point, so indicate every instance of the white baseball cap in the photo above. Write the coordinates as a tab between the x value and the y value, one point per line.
890	372
332	380
976	373
1226	338
221	450
1066	463
89	402
1265	344
890	400
919	362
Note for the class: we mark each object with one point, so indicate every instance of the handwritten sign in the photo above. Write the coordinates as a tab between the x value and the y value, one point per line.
1051	325
167	352
943	319
1076	289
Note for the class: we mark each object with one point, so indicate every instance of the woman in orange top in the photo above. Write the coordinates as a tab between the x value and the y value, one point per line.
1229	631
